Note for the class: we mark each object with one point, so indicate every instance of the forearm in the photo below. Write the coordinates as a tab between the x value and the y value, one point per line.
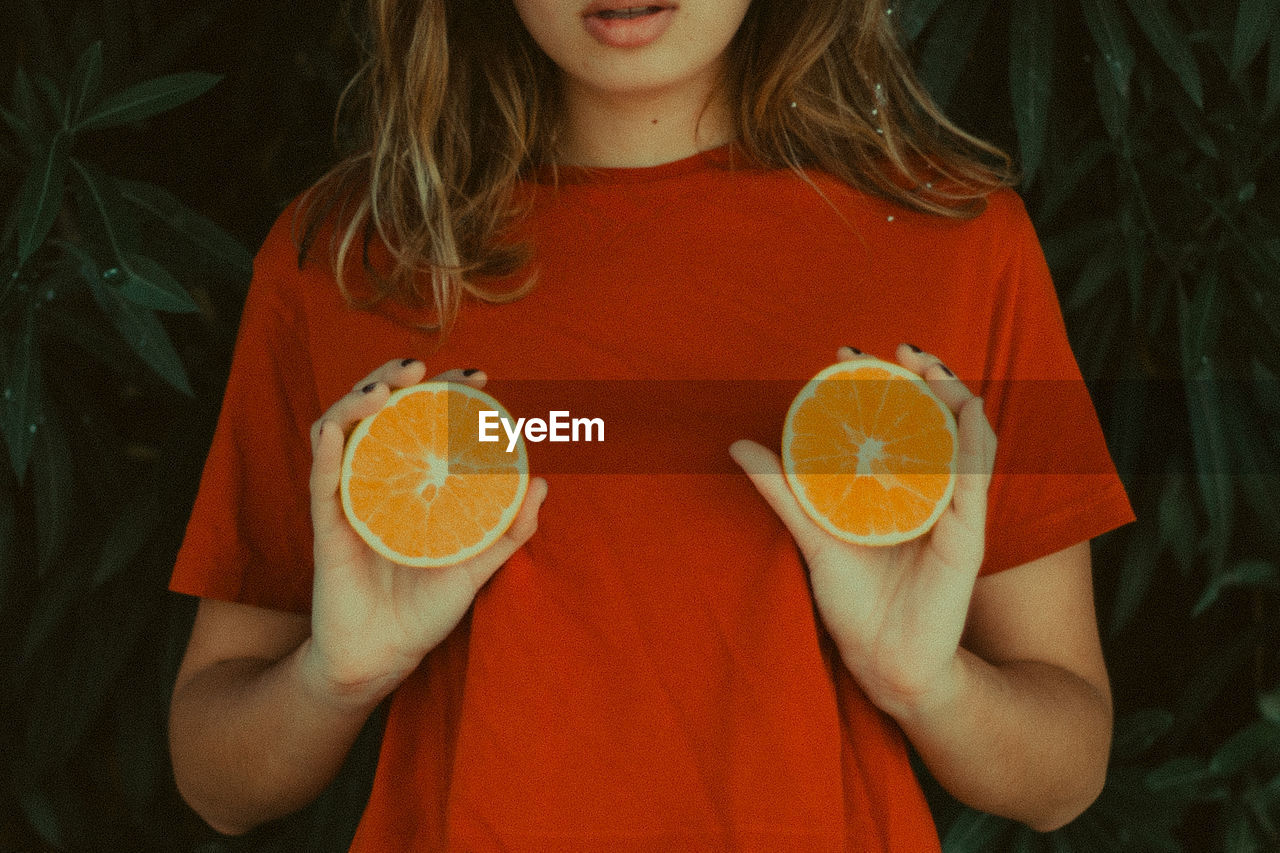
1025	739
255	740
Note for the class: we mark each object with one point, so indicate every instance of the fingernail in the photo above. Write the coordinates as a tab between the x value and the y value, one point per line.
914	348
471	371
407	362
946	370
854	350
366	389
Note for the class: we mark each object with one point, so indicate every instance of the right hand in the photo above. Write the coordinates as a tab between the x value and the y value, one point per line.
372	620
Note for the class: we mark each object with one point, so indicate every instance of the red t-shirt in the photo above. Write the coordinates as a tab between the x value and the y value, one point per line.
647	672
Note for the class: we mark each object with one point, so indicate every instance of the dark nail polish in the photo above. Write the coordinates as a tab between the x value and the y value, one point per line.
366	389
407	362
946	370
854	350
914	348
471	371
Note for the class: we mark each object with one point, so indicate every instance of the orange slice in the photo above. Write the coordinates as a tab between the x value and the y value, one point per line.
420	487
870	452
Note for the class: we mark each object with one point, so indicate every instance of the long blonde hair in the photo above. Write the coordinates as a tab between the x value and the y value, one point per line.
459	104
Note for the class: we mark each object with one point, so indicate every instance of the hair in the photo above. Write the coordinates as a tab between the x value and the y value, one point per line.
459	105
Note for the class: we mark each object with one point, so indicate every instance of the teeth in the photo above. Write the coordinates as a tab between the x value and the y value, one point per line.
630	12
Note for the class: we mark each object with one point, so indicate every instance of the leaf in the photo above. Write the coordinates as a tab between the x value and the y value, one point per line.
86	78
1259	481
144	334
101	190
1257	743
1176	519
1025	842
1031	78
1107	29
1099	269
20	392
53	485
1246	573
202	232
1220	665
973	832
1070	248
26	135
1269	706
1171	43
1137	568
1181	776
1198	327
1113	107
1191	124
1273	77
41	815
1060	183
1254	20
147	99
150	285
1138	731
139	279
27	120
129	532
40	198
1239	834
8	560
24	102
78	669
914	15
949	46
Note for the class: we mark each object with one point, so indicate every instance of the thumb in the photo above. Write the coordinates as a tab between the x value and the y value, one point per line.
764	470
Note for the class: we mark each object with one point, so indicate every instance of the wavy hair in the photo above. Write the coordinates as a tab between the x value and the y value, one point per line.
458	105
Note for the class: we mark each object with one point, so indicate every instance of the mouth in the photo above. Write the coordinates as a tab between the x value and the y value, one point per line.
626	23
627	13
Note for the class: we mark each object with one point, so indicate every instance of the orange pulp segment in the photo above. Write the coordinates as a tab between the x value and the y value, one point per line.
870	452
420	487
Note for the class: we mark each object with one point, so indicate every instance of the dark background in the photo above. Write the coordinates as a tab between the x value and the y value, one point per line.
1147	131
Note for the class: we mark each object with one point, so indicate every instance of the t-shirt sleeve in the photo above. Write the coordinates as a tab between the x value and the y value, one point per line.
1055	484
249	536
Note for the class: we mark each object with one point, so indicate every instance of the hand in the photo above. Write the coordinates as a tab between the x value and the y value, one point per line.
373	620
896	613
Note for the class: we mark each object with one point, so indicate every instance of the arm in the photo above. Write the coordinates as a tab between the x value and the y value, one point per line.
1016	720
267	704
253	733
1022	727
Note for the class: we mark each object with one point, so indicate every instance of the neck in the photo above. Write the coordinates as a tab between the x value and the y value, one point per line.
608	129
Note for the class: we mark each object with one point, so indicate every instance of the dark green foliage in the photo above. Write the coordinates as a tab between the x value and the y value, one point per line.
1149	166
1147	132
118	307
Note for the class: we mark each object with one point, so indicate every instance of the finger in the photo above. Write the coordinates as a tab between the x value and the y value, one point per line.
848	353
473	376
354	407
976	460
765	472
483	566
326	472
940	378
396	373
959	537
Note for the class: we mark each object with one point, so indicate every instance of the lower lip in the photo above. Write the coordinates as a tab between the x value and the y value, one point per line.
629	32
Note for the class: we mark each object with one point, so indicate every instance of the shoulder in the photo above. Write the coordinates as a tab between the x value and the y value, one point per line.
286	281
1005	216
295	262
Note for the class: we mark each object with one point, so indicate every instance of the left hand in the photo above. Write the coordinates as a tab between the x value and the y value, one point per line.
897	613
